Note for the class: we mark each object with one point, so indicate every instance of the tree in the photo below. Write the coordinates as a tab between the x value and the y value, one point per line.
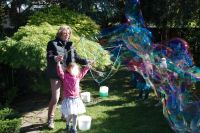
171	14
1	12
104	12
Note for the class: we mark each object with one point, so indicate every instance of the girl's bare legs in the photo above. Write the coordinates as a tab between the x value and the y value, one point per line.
62	98
68	120
74	122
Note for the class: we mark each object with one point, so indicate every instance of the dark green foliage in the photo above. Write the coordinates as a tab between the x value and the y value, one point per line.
10	95
1	12
157	13
40	83
7	113
192	36
171	14
9	123
104	12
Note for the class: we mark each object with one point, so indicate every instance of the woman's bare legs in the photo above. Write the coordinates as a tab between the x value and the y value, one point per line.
55	95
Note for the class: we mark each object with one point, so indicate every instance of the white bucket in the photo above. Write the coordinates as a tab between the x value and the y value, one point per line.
84	122
103	91
85	96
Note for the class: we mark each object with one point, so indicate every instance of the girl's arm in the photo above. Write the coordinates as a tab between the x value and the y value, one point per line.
86	68
84	72
60	71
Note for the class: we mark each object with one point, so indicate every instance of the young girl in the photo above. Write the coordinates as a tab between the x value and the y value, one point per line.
72	104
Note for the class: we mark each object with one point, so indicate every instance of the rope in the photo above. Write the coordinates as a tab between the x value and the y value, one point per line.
111	70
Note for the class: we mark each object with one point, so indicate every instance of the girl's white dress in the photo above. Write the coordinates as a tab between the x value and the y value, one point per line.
72	103
71	106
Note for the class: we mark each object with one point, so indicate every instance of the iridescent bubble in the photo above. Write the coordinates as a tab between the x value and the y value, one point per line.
166	67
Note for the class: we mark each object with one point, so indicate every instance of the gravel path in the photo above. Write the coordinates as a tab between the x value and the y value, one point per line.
34	113
33	122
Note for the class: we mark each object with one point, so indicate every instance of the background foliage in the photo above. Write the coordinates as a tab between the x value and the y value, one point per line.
81	24
26	49
171	14
23	53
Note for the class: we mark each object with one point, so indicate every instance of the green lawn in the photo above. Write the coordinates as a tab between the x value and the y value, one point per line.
119	112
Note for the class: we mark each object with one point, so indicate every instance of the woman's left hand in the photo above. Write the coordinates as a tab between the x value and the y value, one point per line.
91	61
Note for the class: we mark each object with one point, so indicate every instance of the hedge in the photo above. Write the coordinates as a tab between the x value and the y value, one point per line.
9	121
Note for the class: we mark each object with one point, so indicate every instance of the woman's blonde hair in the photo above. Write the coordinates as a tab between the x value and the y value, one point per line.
62	28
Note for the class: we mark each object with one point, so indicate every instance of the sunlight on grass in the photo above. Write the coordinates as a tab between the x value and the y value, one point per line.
119	112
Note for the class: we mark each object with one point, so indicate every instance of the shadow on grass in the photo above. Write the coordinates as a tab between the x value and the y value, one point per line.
129	115
117	84
142	118
33	127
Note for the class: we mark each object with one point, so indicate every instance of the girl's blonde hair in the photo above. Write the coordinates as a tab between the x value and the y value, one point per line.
76	66
62	28
72	64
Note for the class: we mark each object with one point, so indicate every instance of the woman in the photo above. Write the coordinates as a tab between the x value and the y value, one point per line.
59	49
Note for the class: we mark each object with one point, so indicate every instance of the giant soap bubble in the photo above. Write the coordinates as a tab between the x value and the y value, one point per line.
167	67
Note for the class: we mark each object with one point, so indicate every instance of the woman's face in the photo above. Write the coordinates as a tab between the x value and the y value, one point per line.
65	35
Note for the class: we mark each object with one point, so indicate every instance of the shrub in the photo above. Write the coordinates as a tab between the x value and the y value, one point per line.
81	24
9	95
9	121
10	126
27	48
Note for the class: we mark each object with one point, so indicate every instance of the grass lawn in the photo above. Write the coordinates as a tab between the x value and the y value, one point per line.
119	112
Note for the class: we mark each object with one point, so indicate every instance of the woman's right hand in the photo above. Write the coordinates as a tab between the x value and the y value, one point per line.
58	58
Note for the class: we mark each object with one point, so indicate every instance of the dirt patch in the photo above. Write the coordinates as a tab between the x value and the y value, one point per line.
33	110
33	122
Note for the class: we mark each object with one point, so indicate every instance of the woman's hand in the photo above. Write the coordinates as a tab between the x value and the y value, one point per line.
58	58
91	62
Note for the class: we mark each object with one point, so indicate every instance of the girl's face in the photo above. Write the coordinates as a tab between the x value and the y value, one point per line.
65	35
74	70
